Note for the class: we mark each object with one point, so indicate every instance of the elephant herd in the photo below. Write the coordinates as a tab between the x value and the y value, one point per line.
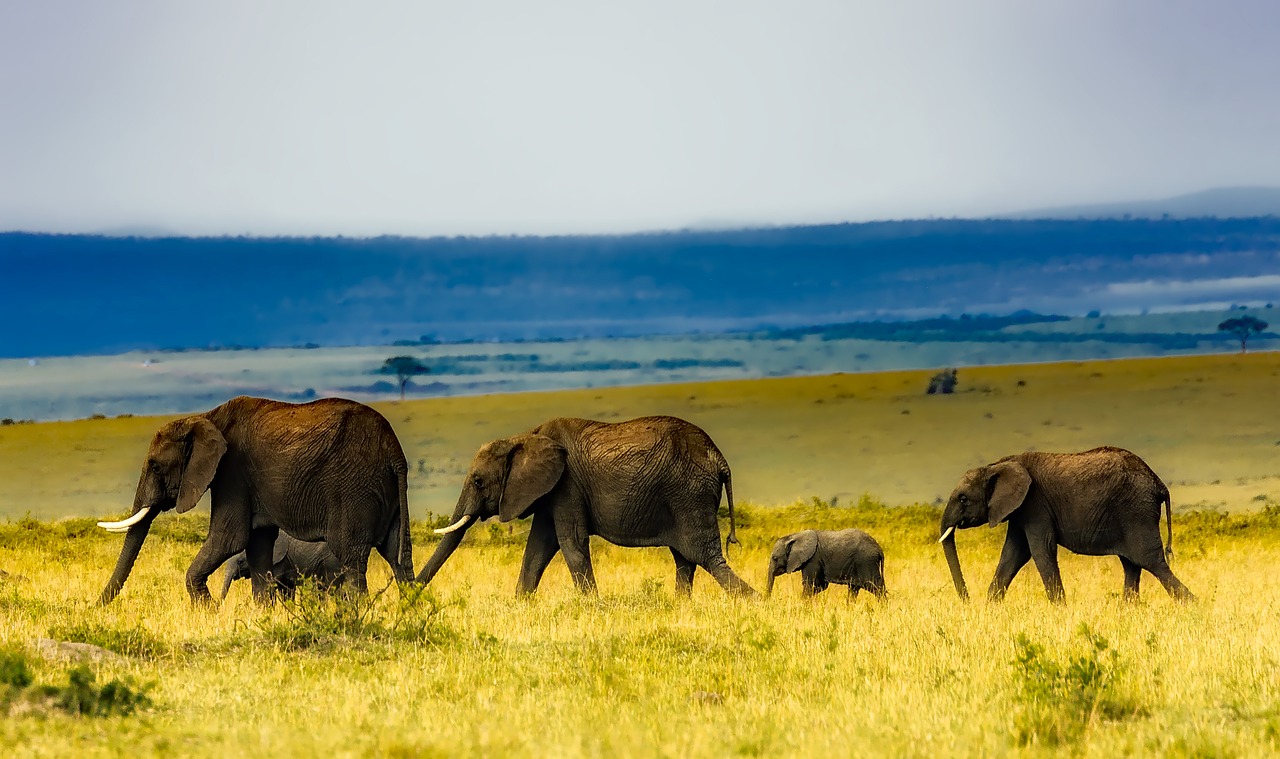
310	489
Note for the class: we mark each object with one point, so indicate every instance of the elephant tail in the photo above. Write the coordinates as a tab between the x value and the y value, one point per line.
1168	521
726	479
404	552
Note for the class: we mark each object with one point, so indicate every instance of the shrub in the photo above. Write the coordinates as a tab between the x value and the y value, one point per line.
81	695
1060	700
316	619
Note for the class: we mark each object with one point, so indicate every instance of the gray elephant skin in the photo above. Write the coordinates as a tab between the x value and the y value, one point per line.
823	557
292	560
653	481
328	470
1101	502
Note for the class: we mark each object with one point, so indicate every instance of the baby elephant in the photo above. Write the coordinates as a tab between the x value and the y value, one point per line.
844	557
291	560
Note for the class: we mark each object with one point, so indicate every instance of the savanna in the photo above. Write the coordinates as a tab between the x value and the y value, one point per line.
464	667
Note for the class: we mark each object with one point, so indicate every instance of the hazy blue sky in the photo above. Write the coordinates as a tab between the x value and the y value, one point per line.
535	117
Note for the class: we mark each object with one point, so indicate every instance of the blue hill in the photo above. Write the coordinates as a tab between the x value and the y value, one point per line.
71	294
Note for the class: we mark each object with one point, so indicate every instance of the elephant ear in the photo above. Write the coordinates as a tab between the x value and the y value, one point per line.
207	446
536	463
803	546
1007	486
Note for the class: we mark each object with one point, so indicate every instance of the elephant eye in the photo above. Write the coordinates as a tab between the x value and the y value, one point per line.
477	481
964	498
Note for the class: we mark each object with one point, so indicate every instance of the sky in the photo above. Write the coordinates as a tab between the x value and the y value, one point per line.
514	117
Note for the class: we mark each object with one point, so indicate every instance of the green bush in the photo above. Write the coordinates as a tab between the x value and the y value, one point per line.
80	696
315	619
1059	700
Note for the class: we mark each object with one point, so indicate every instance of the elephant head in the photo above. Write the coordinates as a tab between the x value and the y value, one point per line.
179	467
506	477
986	495
790	554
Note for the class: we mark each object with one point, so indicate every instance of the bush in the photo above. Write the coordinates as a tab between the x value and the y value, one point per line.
1060	700
320	620
81	695
944	382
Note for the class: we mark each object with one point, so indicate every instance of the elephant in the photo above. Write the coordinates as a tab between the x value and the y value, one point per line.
653	481
330	470
291	561
844	557
1101	502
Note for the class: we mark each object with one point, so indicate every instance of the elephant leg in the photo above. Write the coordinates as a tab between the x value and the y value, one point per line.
1044	551
1155	563
577	554
389	550
540	549
853	590
1132	575
262	542
355	566
811	582
213	554
684	573
730	581
1013	557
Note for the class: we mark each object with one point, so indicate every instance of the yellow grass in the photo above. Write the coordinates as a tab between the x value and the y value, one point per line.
1208	425
638	672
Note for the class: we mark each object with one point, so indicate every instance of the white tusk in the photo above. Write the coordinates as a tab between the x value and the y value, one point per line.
458	525
947	533
124	524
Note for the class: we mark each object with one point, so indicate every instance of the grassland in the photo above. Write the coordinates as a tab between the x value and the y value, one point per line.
635	671
1209	425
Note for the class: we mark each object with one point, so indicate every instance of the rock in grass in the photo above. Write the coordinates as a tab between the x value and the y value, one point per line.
61	650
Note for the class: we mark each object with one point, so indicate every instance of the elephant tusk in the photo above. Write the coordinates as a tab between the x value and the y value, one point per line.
946	534
124	524
458	525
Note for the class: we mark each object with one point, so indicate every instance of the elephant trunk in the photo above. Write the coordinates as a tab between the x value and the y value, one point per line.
227	579
768	588
448	544
953	562
128	555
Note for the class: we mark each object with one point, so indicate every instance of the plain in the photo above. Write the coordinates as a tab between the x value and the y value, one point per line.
469	669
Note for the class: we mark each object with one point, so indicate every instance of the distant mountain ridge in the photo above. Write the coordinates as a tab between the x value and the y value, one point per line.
1220	202
77	294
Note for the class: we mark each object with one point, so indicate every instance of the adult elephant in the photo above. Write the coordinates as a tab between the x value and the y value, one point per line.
653	481
1101	502
292	560
328	470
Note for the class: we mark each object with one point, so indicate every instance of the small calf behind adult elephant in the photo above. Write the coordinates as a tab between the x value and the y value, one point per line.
292	560
822	557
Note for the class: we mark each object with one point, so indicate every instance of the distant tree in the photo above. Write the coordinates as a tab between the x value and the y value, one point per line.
403	367
1243	327
943	382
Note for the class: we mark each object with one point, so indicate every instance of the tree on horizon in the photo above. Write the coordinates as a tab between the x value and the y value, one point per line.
403	367
1243	327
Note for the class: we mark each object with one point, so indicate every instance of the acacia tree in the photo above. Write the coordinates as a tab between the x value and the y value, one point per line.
1243	327
403	367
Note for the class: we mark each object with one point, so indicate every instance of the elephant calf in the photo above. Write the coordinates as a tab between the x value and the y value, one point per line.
844	557
292	560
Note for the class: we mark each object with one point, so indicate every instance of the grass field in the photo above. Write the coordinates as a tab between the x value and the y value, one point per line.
635	671
1208	425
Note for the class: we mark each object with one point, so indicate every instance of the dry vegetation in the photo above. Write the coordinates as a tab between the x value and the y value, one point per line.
468	669
1209	425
